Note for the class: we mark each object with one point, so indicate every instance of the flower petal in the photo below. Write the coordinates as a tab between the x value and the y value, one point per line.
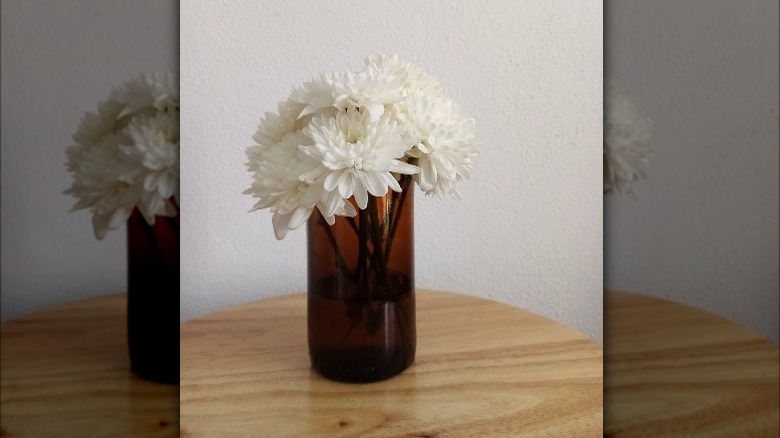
299	217
280	222
332	180
361	196
376	111
346	184
374	184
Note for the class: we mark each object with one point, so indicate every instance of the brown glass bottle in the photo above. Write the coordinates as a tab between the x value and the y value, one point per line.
361	306
153	297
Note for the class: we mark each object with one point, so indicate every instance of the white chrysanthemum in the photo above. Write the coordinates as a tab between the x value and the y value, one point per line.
96	184
413	77
274	126
446	141
277	186
147	93
358	157
370	90
627	148
126	154
152	159
351	135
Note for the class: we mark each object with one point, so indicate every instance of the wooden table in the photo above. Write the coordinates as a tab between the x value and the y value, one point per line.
482	369
675	371
66	372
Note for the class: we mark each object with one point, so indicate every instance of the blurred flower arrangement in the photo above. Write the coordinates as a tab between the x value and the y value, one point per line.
350	135
627	143
126	154
125	166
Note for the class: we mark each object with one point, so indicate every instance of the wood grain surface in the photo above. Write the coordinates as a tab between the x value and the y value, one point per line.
675	371
483	369
65	372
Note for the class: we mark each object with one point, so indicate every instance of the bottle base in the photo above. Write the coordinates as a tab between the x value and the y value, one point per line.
156	373
360	365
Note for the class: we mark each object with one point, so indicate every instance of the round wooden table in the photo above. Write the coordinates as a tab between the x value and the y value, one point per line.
482	369
676	371
66	372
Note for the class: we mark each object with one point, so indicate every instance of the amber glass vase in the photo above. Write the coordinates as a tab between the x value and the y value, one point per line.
361	308
153	297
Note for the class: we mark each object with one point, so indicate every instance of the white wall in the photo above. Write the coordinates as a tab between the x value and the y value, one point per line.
528	230
59	58
704	229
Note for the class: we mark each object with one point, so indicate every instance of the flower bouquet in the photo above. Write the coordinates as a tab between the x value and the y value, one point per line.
125	167
342	154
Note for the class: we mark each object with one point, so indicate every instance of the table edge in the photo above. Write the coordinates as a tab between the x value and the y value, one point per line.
687	307
63	305
583	336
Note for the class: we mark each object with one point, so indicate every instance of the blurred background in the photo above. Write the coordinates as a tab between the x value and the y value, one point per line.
59	59
528	230
703	229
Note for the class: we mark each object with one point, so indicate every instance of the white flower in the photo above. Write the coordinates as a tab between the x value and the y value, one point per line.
154	164
126	155
274	126
413	77
446	141
357	156
277	184
350	135
147	93
627	148
368	89
96	184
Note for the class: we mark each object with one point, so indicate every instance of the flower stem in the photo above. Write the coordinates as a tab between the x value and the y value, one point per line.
395	216
362	261
340	263
353	224
369	284
380	262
